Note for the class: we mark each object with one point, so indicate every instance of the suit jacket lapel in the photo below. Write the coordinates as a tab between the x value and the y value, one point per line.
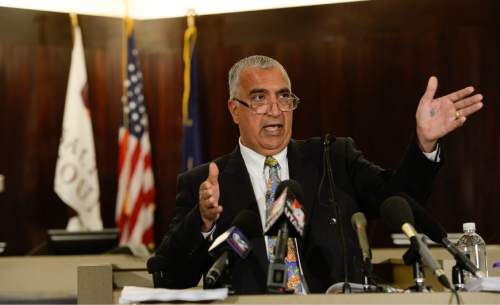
306	174
236	189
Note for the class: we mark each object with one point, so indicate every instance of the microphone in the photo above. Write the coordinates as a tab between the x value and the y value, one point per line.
435	231
286	218
233	241
358	221
327	140
397	213
286	208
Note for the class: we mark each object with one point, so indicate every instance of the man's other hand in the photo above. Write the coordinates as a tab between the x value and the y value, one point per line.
436	117
209	194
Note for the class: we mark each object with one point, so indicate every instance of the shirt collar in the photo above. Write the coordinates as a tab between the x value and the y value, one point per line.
256	160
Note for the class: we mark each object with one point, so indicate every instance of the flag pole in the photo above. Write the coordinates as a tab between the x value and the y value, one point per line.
189	43
127	29
74	24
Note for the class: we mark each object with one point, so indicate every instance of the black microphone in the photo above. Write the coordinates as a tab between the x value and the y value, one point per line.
233	241
435	231
397	214
286	218
157	266
358	221
327	140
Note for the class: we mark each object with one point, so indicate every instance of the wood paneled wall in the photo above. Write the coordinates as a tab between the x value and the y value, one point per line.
360	69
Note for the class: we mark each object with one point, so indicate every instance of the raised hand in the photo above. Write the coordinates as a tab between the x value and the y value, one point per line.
209	194
436	117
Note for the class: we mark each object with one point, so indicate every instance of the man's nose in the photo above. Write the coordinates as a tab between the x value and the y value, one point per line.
273	108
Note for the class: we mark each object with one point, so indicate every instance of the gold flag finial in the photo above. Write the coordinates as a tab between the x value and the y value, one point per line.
74	19
190	17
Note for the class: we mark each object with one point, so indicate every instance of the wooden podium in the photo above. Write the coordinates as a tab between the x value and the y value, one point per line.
92	279
387	263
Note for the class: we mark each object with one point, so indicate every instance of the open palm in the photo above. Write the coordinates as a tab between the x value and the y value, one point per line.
436	117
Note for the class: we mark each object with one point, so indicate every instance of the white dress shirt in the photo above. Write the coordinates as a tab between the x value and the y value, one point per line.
255	164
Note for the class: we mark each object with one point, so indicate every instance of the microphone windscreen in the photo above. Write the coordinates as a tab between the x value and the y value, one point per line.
396	211
424	222
293	188
248	223
358	219
157	263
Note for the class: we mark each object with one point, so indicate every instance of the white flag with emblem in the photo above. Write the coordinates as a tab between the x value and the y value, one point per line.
76	181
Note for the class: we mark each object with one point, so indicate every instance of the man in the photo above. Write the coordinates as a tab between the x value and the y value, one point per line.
261	104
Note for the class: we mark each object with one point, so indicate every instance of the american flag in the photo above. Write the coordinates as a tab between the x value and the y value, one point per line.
136	192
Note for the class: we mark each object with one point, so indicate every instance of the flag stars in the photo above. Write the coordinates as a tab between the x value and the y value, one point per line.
137	117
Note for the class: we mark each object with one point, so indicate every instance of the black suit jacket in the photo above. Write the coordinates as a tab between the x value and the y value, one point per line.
359	186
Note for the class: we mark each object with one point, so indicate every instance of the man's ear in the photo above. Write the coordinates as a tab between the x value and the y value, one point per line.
234	110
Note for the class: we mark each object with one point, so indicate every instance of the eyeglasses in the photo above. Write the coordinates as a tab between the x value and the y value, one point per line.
260	104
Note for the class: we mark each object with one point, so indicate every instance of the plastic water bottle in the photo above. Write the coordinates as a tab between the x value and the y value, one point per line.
473	246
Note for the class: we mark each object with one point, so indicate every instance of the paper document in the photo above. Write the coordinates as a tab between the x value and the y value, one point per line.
133	294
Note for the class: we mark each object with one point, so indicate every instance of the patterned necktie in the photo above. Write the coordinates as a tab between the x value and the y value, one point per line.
294	277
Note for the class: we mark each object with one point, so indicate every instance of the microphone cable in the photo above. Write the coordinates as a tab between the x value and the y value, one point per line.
457	296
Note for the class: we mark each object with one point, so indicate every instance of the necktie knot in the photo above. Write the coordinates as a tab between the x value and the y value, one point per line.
271	162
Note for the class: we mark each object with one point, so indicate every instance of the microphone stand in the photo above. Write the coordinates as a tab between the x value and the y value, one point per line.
277	274
412	257
346	288
366	269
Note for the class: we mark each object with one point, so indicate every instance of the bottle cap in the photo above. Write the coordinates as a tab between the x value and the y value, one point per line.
469	226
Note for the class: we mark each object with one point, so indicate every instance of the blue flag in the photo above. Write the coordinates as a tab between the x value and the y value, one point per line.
191	146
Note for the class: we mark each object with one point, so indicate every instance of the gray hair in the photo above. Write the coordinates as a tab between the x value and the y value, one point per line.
254	61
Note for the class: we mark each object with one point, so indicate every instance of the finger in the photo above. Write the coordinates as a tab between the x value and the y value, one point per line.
213	173
219	209
212	201
470	109
430	91
460	94
205	195
468	101
213	213
205	190
207	211
204	186
457	123
208	203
